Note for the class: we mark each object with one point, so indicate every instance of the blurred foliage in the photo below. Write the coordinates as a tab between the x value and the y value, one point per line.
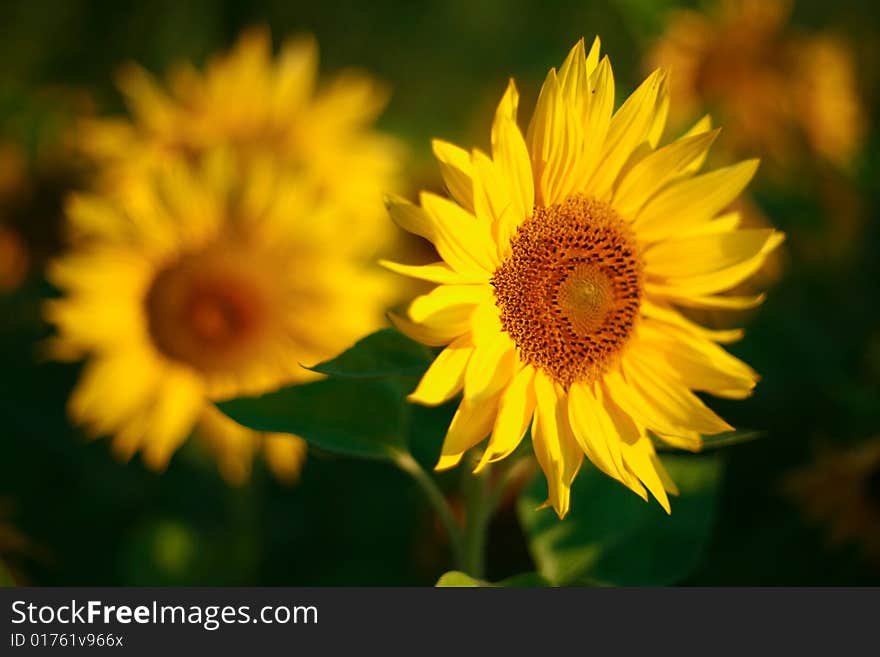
611	537
816	341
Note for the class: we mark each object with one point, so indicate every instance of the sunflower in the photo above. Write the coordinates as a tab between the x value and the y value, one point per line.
565	256
773	88
841	490
258	105
216	282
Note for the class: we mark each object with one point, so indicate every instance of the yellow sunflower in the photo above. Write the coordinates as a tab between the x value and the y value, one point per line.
841	490
565	256
258	105
773	88
217	282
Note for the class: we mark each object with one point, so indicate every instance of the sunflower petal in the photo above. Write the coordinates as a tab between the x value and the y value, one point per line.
555	447
632	125
708	253
693	202
445	377
470	424
457	172
658	168
514	416
490	368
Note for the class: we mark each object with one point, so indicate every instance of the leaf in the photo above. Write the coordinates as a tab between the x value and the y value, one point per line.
456	578
612	537
717	440
345	416
525	580
732	438
384	353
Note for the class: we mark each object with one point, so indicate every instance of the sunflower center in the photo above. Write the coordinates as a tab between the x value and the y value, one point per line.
207	310
569	293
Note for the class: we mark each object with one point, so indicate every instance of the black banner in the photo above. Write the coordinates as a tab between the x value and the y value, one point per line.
138	621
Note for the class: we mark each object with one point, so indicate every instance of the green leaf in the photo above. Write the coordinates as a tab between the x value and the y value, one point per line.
385	353
612	537
346	416
732	438
717	440
456	578
525	580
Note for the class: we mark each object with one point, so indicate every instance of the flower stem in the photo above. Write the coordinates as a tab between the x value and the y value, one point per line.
478	512
438	500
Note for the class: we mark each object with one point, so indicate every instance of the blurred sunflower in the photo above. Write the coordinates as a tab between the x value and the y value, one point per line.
216	282
258	106
564	256
841	490
772	89
31	191
272	118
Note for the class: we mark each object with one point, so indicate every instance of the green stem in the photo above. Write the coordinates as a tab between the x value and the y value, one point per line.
478	512
512	471
437	499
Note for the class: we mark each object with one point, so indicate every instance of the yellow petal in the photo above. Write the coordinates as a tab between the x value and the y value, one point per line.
175	413
490	368
447	304
494	201
593	56
455	167
555	142
445	377
723	279
594	430
707	253
642	461
668	315
644	410
573	76
720	224
666	396
458	236
698	362
485	322
555	447
285	455
436	272
682	298
514	415
470	424
460	240
511	157
107	396
655	170
692	202
433	336
701	126
597	117
632	125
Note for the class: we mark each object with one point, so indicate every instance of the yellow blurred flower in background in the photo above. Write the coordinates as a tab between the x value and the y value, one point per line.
841	491
218	281
565	256
773	89
258	105
189	287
